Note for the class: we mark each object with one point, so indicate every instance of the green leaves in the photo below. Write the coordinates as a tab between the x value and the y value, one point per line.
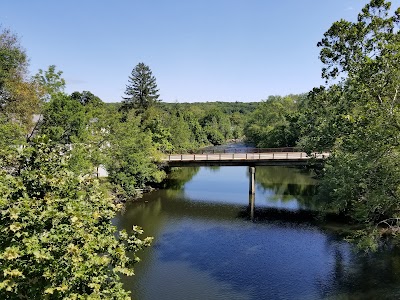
56	236
274	122
358	120
141	91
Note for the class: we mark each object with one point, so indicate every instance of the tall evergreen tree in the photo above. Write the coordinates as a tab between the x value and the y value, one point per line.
141	91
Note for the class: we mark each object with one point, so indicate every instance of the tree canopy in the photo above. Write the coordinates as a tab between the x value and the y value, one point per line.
357	117
141	91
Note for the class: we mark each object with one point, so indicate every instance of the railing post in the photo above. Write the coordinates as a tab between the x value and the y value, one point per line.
181	157
287	155
273	155
246	155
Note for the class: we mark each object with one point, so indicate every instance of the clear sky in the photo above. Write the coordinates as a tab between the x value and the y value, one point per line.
198	50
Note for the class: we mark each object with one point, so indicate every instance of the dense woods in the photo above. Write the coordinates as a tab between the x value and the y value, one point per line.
52	144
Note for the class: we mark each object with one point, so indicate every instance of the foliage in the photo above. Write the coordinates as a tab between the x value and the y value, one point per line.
141	91
50	82
87	98
274	122
13	59
358	117
56	236
19	99
64	120
217	126
153	120
131	156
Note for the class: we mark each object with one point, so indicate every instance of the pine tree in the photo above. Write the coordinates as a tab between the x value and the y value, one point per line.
141	91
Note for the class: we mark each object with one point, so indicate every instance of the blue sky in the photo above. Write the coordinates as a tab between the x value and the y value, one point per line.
199	50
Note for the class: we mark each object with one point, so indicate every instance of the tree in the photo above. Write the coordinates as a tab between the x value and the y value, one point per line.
13	59
131	157
359	119
57	240
274	122
19	99
87	98
64	120
141	91
50	82
217	126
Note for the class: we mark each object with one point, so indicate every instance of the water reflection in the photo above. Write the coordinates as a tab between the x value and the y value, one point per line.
207	248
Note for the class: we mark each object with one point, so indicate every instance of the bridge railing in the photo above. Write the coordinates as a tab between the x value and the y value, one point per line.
246	156
245	150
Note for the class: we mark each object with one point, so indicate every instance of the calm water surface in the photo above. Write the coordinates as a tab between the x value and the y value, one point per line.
206	247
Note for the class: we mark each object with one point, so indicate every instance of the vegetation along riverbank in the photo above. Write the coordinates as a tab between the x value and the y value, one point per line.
57	240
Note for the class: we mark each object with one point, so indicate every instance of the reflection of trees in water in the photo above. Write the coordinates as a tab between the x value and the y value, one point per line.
357	275
179	177
214	169
289	184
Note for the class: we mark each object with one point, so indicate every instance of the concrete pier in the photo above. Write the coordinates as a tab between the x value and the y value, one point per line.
251	206
252	182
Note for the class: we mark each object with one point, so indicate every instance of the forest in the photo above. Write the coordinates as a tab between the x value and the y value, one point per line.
52	144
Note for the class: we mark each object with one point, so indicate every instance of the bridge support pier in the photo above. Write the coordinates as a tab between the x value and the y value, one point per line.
252	183
251	206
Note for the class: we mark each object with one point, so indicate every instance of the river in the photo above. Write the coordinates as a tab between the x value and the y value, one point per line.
207	247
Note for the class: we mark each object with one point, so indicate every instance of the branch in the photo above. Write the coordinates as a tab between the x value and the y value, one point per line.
38	123
393	101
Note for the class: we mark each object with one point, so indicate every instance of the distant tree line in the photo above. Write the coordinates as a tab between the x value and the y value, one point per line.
56	236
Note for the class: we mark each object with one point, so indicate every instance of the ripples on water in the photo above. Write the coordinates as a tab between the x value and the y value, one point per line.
207	248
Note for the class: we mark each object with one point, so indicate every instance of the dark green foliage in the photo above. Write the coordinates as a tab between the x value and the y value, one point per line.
87	98
64	120
141	91
217	126
358	119
131	157
274	122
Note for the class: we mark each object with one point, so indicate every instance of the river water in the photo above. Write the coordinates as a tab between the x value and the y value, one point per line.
207	247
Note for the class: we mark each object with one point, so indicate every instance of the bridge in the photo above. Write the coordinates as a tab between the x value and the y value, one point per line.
246	157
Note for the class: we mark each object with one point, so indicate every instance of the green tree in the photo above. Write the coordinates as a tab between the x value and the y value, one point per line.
155	121
19	99
64	120
57	240
50	81
87	98
13	59
141	91
274	122
361	118
131	157
217	126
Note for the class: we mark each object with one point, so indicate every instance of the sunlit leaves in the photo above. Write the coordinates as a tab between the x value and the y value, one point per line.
56	236
358	119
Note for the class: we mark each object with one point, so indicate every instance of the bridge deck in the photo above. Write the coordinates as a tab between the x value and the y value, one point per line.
243	159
